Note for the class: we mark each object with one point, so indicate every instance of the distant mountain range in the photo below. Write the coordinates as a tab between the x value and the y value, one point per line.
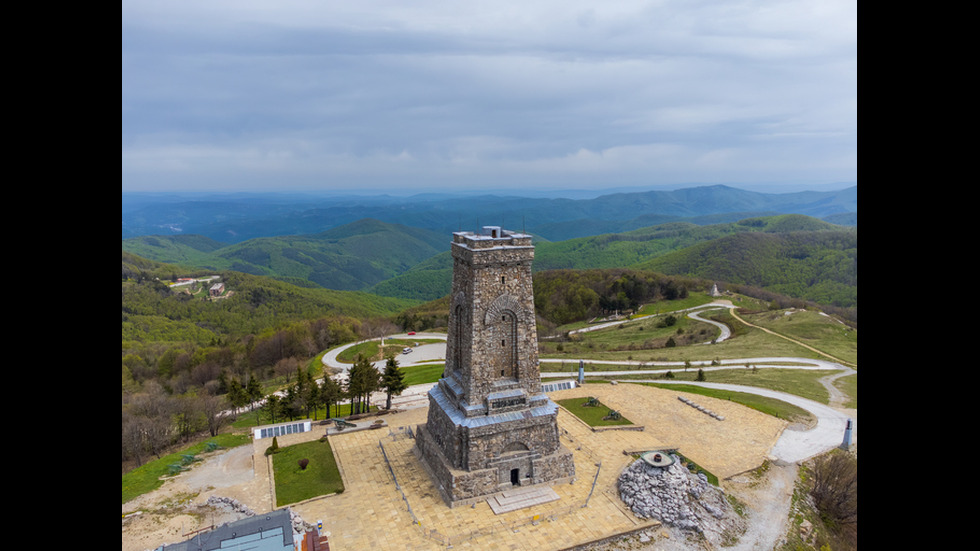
233	218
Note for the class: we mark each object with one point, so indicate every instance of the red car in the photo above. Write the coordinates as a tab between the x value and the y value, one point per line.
411	332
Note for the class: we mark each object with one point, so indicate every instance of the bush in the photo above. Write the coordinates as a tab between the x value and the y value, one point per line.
274	448
303	463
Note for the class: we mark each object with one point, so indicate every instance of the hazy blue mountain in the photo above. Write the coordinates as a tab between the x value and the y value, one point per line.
232	218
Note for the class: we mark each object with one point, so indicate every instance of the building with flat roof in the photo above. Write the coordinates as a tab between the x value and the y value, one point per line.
271	531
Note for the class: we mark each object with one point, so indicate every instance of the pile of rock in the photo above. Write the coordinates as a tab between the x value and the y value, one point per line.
677	497
230	505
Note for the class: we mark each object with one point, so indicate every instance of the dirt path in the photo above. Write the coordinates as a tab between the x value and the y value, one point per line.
768	503
175	510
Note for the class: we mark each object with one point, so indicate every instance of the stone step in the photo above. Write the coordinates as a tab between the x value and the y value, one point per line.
512	500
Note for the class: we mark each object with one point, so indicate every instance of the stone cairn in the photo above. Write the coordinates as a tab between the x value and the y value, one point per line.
674	496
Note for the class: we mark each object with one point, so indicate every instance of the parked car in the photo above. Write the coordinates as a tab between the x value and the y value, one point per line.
411	332
406	350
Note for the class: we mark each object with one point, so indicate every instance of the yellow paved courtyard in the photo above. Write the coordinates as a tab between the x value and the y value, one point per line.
390	503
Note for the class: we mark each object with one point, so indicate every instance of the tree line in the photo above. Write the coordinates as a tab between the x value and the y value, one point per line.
565	296
305	397
153	420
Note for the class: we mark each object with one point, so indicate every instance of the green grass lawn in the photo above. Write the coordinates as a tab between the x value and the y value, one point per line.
421	374
321	476
592	415
146	477
799	382
811	328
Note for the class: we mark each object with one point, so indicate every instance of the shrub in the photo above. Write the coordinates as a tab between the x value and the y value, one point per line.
303	463
274	448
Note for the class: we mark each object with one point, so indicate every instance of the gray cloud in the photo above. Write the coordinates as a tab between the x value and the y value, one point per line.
299	94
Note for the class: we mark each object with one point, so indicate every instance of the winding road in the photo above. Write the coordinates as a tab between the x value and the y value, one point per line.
793	446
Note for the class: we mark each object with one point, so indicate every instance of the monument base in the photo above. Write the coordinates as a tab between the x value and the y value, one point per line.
463	487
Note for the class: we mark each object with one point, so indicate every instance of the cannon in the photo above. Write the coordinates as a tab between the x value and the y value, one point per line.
342	423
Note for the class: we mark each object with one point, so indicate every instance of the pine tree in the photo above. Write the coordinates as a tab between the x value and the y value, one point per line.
253	388
393	380
331	394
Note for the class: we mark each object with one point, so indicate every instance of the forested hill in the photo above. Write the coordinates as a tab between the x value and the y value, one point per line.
818	266
349	257
153	312
791	254
183	352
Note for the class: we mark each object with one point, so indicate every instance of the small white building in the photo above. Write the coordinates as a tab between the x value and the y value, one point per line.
280	429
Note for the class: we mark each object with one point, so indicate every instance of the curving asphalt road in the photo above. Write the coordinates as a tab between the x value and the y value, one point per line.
419	354
793	446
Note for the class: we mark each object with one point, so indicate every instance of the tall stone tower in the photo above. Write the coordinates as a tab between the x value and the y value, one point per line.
489	426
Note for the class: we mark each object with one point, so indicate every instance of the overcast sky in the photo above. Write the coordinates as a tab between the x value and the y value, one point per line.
506	95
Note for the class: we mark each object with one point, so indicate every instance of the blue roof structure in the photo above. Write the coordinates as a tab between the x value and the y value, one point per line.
267	532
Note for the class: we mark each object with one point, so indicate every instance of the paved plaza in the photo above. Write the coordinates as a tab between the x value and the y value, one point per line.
390	503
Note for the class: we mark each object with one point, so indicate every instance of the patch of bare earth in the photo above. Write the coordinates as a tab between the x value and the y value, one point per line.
179	508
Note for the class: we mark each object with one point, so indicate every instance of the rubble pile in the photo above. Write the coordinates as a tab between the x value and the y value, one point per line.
678	498
234	506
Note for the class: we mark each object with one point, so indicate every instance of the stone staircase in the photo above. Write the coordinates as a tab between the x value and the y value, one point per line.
519	498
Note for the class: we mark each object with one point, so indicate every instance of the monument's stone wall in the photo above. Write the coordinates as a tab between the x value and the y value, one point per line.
489	425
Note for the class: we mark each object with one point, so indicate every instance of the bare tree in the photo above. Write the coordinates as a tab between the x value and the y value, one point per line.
212	406
835	487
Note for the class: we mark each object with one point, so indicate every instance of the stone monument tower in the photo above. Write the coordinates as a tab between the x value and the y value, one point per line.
489	426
